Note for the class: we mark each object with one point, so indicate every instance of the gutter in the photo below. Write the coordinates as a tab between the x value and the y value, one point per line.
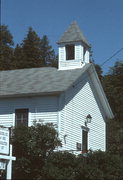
55	93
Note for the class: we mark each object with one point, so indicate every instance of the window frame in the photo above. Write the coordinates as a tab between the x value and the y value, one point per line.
21	121
85	144
70	55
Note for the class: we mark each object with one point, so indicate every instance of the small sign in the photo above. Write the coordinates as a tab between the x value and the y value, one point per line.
4	140
2	165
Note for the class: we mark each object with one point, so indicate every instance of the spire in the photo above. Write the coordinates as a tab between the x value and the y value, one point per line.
73	34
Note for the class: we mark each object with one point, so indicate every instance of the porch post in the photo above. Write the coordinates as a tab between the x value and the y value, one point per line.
9	166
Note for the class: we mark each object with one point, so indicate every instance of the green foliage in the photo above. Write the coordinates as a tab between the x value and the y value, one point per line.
94	166
5	36
99	71
115	137
61	166
47	53
32	146
107	165
113	86
6	50
32	52
28	54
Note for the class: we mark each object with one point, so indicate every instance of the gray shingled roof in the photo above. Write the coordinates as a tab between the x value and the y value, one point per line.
37	81
73	34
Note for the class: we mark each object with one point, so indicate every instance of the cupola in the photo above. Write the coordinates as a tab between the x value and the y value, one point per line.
74	49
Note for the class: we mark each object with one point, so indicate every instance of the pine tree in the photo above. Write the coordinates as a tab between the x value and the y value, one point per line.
6	50
28	54
47	53
99	71
34	52
18	57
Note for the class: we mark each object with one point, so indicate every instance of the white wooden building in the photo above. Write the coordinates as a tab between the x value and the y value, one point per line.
66	96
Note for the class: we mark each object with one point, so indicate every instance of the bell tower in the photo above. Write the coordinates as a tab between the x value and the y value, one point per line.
74	49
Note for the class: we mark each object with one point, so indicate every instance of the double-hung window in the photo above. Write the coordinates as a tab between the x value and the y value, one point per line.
21	117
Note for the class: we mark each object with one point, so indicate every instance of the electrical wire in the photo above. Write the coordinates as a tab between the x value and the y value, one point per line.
111	57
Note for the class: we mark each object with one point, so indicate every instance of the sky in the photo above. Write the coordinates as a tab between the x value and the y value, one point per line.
101	21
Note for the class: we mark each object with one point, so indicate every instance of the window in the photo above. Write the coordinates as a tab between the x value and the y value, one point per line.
21	117
84	139
70	52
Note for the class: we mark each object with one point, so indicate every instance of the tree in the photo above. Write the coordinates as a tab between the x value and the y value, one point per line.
113	86
60	165
47	53
34	52
6	50
99	165
18	58
96	165
32	146
99	71
28	54
115	137
104	166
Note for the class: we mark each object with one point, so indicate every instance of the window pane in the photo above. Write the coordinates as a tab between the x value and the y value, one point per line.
25	115
84	141
21	117
18	116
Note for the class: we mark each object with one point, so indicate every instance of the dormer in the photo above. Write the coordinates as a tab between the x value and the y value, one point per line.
74	49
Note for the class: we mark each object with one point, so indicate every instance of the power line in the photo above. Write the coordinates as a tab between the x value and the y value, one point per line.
93	71
111	57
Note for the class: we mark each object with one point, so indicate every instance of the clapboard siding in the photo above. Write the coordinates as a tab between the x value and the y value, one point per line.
87	55
79	102
70	64
42	109
78	51
68	111
61	53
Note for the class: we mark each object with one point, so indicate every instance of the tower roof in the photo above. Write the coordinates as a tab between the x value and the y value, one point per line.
73	34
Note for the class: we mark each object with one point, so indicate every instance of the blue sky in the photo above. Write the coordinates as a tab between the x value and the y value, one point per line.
101	21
